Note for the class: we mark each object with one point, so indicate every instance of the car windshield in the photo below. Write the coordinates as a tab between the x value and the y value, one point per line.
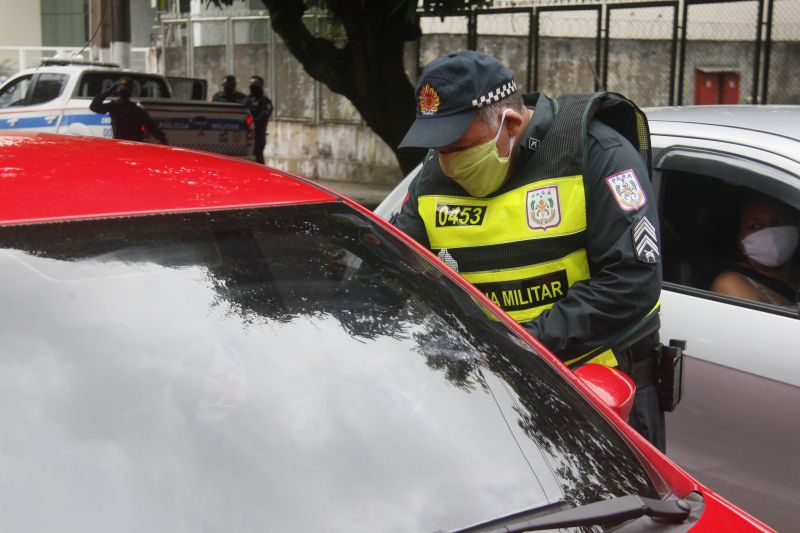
292	368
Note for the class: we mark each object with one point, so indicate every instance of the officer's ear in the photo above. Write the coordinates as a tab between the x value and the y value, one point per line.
514	122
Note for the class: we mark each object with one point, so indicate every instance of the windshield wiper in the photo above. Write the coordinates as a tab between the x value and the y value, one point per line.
613	510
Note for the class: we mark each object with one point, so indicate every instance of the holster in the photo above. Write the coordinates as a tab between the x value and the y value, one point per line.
670	374
660	365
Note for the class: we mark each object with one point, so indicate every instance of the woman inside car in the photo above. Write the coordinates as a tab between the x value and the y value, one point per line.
768	238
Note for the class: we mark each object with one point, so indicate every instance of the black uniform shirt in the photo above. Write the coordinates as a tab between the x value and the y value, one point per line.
261	109
233	98
127	118
623	286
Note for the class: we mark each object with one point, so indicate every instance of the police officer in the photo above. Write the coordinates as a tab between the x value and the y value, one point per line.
128	118
546	206
229	93
260	107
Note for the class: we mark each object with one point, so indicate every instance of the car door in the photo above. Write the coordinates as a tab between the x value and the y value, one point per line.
27	103
737	428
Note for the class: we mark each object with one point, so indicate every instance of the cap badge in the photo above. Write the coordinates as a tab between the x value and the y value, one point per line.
428	100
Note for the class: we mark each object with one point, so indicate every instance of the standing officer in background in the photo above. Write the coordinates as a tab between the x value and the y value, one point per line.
128	119
229	93
260	109
545	206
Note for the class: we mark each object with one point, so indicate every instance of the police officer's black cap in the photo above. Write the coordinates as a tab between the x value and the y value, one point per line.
449	93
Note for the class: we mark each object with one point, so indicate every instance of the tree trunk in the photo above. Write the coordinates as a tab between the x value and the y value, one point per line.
368	70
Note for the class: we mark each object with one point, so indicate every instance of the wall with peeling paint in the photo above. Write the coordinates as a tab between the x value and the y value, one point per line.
336	152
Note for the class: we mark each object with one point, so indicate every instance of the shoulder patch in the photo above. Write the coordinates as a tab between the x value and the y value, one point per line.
645	241
627	190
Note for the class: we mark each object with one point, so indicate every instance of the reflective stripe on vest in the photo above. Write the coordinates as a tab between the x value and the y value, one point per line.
607	356
525	292
540	212
559	208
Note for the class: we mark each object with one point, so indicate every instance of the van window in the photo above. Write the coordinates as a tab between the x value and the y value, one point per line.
48	87
143	86
15	93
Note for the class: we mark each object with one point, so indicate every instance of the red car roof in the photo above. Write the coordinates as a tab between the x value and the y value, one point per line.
53	177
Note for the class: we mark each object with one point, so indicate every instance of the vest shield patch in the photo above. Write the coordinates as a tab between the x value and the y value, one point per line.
544	208
626	190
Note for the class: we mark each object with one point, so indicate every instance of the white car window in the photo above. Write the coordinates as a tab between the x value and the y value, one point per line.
15	93
701	235
48	87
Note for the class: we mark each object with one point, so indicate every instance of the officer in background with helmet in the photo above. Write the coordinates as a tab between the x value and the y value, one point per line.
229	93
128	118
546	206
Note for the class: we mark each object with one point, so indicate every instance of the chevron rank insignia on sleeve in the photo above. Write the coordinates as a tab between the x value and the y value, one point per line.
645	241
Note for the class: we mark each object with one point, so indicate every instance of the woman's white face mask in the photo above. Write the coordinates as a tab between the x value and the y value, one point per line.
771	247
479	170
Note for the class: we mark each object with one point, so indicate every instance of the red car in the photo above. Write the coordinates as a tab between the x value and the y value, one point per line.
193	343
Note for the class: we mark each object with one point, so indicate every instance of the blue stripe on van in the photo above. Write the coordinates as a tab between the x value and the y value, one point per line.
166	124
96	119
90	119
26	122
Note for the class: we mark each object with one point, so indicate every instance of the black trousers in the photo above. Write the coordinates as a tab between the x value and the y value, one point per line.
260	141
640	362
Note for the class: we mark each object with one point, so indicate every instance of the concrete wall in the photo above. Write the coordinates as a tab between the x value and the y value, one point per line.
640	70
143	17
21	23
336	152
564	65
784	74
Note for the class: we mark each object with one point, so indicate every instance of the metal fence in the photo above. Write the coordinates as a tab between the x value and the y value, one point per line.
665	52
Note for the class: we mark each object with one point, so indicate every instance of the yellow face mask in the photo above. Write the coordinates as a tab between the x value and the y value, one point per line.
479	170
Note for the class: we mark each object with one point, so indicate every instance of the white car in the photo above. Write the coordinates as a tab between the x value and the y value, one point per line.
55	97
737	427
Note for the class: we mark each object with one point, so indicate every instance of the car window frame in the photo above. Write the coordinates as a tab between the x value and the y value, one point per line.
729	169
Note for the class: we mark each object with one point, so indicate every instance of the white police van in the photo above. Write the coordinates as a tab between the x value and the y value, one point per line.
55	98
